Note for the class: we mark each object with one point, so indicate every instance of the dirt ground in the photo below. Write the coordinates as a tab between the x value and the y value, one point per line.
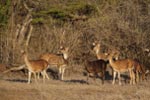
13	86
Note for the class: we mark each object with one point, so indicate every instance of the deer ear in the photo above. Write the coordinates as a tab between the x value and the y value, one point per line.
61	47
93	43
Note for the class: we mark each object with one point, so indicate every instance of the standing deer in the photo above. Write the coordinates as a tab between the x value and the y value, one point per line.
100	55
121	66
103	56
97	50
96	67
58	61
138	68
35	66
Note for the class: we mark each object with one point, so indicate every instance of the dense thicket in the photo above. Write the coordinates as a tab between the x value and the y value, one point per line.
120	24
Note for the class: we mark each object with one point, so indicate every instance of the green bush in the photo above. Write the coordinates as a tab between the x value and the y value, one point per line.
81	8
37	20
4	12
68	12
59	14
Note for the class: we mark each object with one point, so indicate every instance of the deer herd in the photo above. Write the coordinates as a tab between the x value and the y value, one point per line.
95	68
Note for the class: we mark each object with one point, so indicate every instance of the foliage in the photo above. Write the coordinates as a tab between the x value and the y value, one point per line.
120	24
68	12
37	21
4	12
80	8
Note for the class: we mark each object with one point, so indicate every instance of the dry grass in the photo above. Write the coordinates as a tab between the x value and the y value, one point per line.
74	88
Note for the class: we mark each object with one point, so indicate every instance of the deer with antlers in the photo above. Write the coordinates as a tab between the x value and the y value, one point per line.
58	61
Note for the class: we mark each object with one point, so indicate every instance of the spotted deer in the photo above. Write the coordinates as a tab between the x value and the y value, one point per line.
121	66
35	66
58	61
140	69
100	54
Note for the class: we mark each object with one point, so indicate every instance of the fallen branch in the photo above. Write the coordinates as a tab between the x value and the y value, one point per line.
15	69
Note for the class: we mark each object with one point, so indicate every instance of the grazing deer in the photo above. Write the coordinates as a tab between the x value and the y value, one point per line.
56	60
140	69
121	66
35	66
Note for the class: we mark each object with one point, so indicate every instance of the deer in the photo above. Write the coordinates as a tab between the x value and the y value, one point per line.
100	55
121	66
95	67
140	69
35	66
58	61
97	50
103	56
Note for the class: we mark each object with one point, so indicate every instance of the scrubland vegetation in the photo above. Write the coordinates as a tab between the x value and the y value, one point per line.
42	26
119	24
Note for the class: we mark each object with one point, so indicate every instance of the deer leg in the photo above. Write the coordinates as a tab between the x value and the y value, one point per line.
35	77
119	78
133	77
43	74
38	74
62	75
144	77
87	77
130	76
137	77
46	75
29	77
114	77
103	78
95	75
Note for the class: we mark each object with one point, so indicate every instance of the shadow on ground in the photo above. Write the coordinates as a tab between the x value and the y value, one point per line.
16	80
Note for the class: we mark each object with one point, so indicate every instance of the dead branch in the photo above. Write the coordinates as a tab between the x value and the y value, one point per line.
28	38
29	9
24	27
15	69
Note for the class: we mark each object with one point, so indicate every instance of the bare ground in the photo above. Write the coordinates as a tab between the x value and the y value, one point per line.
13	86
